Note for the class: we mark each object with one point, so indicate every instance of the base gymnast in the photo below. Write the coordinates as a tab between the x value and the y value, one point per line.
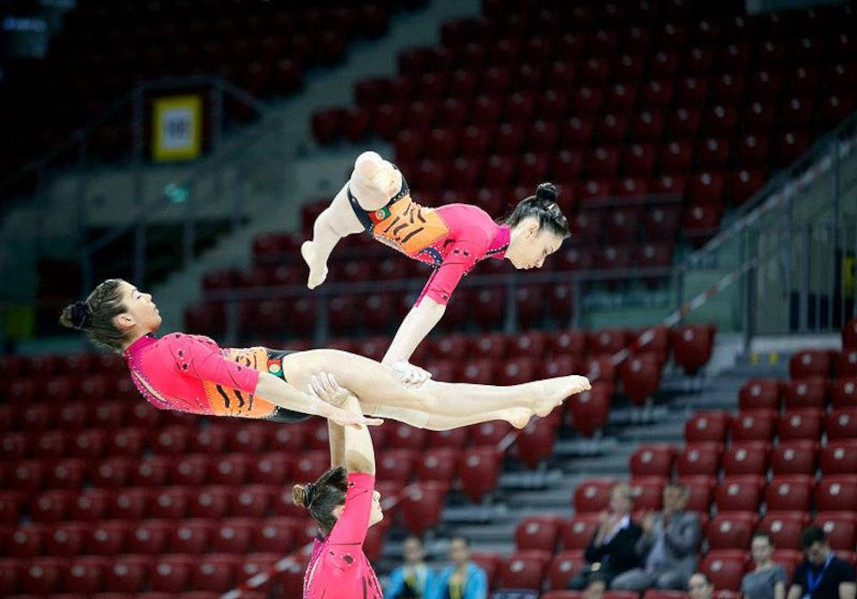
191	373
452	239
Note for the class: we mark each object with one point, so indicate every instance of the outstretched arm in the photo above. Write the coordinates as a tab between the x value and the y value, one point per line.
350	447
417	324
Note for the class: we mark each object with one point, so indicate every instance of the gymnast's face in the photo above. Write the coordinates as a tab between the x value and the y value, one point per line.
531	244
141	312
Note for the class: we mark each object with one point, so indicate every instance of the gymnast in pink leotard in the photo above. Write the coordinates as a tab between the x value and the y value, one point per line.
452	238
344	504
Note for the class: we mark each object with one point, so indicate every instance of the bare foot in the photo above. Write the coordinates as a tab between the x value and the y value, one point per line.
317	272
557	389
518	417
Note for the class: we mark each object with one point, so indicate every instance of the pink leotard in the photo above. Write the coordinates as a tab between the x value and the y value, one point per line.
191	373
338	568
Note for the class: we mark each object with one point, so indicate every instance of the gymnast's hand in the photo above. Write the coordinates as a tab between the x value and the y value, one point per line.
325	387
343	412
410	375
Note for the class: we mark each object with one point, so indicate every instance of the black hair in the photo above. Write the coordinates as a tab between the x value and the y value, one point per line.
544	208
811	536
764	534
94	316
323	496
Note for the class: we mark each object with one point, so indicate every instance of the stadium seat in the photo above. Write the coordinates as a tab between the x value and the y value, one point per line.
810	364
524	569
564	566
841	424
489	433
699	459
479	471
653	460
421	505
43	576
806	393
804	424
837	493
592	495
692	345
537	532
84	575
725	569
577	532
760	394
789	493
26	541
150	472
843	393
403	436
171	503
396	465
214	573
746	457
753	425
535	442
845	363
849	334
106	538
439	464
127	574
51	507
731	530
276	535
795	457
590	410
67	539
785	528
171	573
739	494
839	457
310	465
707	427
641	376
648	492
840	529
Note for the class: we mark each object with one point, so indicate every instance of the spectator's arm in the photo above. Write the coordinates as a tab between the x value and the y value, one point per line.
684	539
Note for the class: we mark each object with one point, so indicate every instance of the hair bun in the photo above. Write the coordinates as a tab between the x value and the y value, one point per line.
547	191
79	314
299	495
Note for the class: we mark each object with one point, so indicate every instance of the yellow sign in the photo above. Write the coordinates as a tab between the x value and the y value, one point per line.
848	275
177	124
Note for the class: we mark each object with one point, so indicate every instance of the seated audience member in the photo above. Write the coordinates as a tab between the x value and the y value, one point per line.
767	580
668	545
699	587
413	579
821	575
612	549
463	579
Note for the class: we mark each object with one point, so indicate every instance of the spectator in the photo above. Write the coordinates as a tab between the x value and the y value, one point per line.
821	575
595	588
668	546
612	549
414	579
699	587
767	580
463	579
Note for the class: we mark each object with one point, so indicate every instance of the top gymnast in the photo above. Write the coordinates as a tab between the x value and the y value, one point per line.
190	373
452	238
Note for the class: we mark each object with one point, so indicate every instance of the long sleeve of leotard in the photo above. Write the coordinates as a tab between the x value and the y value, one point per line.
463	255
202	358
351	528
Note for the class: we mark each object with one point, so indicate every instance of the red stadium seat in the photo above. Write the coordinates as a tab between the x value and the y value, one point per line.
739	494
26	542
700	489
789	493
127	574
839	457
192	537
66	474
785	528
43	576
310	465
127	442
276	535
439	464
489	433
641	376
577	532
50	444
536	441
708	426
129	504
51	507
849	334
171	573
806	393
648	492
11	572
725	569
107	538
171	503
537	532
592	495
795	457
845	363
171	440
525	570
190	470
563	568
747	457
479	470
151	472
215	573
800	424
837	493
692	345
840	529
84	575
590	410
653	460
760	394
754	425
229	469
396	465
89	506
699	459
731	530
421	506
841	424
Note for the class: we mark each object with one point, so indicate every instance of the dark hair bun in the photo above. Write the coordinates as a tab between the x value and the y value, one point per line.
299	495
547	191
75	315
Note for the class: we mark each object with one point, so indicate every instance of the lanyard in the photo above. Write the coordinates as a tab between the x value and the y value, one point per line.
814	582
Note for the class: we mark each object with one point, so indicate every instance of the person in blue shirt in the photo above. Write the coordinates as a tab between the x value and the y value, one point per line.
463	579
414	579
